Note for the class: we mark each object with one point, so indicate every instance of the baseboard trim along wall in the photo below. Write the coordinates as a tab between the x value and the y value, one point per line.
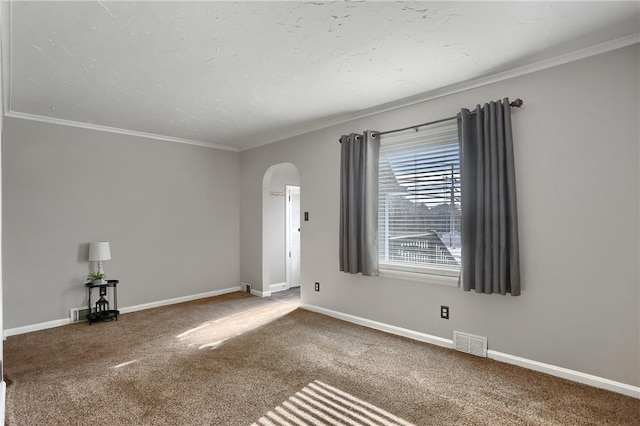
415	335
565	373
273	288
261	293
36	327
60	322
179	300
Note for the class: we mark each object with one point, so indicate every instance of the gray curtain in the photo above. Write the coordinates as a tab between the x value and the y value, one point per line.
359	203
490	253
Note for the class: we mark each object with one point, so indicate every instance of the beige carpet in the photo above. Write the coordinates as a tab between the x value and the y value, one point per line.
233	359
321	404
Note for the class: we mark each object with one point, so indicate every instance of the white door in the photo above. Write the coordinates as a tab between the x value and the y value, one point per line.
293	236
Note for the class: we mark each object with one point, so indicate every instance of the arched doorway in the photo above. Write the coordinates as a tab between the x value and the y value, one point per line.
280	228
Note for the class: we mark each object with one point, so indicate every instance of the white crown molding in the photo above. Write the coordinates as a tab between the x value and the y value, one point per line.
108	129
565	373
5	55
463	86
5	22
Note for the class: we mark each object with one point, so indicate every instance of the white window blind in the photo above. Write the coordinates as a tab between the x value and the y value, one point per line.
419	199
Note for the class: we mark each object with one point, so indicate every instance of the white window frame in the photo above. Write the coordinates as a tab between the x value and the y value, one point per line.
427	274
434	276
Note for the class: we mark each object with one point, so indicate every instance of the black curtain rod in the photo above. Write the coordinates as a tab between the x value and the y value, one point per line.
515	104
442	120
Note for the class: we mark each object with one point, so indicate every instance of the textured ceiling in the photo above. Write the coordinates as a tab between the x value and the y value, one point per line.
243	74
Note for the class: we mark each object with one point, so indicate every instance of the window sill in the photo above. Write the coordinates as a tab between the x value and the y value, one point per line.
444	280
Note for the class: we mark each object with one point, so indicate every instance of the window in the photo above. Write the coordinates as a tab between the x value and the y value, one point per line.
419	200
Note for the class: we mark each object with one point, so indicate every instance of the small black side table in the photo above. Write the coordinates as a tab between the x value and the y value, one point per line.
102	311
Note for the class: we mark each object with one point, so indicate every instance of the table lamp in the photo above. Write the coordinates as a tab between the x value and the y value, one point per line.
98	252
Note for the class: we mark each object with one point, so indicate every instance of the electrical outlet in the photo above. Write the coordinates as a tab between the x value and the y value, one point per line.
444	312
317	286
306	216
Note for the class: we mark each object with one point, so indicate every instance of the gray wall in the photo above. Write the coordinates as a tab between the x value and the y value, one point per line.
577	158
170	212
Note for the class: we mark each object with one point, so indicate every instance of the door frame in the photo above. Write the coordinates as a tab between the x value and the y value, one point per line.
288	189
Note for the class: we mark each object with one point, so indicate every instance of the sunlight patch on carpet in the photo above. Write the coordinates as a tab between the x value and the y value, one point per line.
320	404
125	363
211	334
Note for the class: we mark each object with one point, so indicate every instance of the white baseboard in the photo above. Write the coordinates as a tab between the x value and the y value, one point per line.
274	288
36	327
415	335
60	322
261	293
179	300
565	373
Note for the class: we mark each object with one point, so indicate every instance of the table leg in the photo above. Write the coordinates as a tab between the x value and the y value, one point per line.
89	290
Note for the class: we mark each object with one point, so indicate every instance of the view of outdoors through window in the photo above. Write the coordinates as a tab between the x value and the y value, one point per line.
419	198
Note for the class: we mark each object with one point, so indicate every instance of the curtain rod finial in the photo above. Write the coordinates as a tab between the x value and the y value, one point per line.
517	103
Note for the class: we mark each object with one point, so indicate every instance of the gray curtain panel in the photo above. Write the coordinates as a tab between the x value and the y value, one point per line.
490	253
359	203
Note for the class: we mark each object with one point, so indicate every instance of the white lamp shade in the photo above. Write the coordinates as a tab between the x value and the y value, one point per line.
99	251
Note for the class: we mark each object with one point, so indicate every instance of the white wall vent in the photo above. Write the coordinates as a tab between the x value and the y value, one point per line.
245	287
79	314
468	343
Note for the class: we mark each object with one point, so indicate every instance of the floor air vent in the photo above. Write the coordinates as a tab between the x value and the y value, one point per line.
468	343
79	314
